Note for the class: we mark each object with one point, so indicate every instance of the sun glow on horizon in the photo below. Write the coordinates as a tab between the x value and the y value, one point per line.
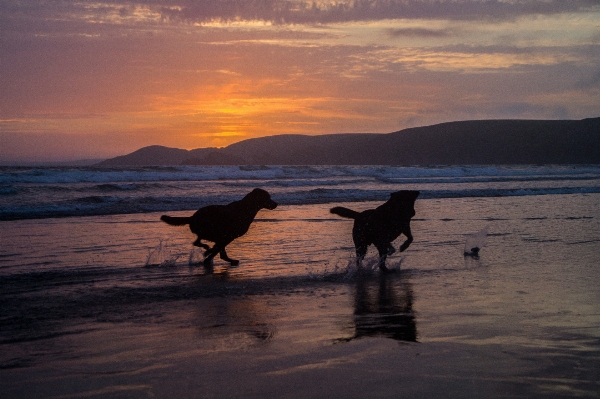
108	78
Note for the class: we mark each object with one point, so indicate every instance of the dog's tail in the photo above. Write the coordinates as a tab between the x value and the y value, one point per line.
344	212
175	221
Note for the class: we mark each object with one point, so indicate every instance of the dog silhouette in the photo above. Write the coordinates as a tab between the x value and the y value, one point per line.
382	225
222	224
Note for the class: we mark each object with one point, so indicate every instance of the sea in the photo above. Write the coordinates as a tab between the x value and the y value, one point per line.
34	193
100	299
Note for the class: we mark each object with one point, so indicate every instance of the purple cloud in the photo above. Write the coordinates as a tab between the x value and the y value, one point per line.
301	12
420	32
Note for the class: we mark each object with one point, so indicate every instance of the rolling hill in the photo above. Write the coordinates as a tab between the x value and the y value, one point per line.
453	143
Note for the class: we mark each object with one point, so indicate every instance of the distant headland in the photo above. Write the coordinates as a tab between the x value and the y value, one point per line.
478	142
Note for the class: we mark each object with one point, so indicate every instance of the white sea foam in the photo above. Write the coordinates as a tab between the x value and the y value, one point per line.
205	173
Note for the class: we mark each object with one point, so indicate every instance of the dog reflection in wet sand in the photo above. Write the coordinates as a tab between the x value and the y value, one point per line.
222	224
384	311
382	225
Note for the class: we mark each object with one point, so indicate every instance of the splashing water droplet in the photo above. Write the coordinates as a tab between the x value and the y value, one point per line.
161	255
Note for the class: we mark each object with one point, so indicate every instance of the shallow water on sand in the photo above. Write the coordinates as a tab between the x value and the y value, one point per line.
111	307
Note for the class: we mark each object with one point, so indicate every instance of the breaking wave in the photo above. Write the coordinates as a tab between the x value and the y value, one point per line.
30	193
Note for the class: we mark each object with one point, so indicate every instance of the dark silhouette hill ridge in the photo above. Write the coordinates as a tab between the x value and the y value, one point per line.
452	143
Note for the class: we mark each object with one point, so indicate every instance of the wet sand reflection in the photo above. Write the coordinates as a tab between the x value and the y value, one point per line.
383	307
225	323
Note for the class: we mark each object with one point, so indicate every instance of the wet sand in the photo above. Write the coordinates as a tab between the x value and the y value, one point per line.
82	316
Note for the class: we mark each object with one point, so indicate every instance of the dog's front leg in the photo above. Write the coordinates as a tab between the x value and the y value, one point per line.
391	249
384	251
409	239
223	255
360	255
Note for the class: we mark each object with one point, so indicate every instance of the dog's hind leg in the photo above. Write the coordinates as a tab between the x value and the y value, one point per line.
199	243
223	255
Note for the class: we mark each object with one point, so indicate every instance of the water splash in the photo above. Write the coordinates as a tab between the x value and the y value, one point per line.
475	242
196	256
161	256
348	269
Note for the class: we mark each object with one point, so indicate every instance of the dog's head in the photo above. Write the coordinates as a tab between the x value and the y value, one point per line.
405	196
262	198
405	200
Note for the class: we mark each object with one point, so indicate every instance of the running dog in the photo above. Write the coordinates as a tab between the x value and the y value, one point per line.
382	225
222	224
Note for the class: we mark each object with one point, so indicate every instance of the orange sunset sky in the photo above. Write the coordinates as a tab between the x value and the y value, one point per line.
93	79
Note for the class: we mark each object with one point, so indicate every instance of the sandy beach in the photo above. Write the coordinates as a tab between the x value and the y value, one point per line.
109	306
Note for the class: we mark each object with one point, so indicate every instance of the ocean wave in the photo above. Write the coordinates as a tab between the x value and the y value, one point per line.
486	179
30	193
96	205
8	190
12	175
294	183
117	187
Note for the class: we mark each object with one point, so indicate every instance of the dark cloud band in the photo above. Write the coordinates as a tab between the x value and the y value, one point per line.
304	12
294	11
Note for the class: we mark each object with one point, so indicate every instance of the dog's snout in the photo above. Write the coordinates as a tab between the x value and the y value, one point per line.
272	205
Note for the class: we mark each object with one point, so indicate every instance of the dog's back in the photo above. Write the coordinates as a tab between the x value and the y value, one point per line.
400	207
226	222
213	223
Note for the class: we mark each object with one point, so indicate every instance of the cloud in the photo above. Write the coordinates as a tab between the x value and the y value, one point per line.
592	81
529	110
322	12
280	12
420	32
87	77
